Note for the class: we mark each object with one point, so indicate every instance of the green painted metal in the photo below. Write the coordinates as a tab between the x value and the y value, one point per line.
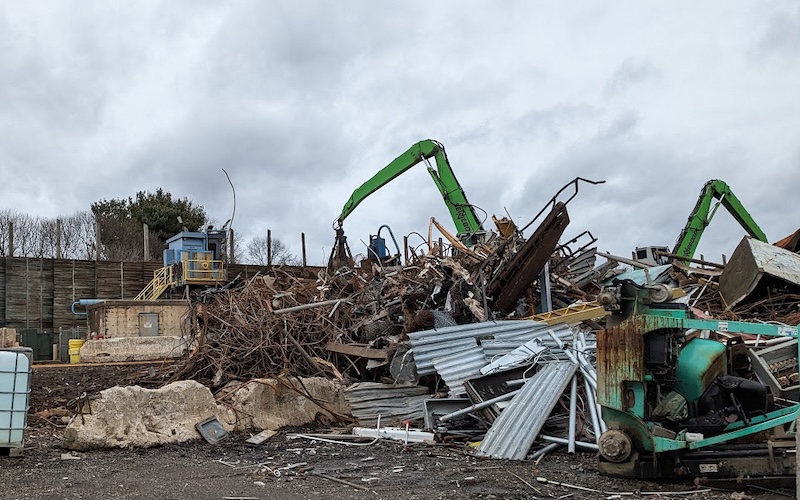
636	428
701	216
462	212
734	431
699	363
680	318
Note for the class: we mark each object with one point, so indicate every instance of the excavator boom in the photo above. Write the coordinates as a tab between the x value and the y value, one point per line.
700	217
461	211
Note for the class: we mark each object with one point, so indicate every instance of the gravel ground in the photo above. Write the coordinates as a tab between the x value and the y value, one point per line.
234	469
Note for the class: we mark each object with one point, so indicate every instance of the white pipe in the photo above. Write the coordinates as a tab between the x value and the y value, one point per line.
573	395
558	440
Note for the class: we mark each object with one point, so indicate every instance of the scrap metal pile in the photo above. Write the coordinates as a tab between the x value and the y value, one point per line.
451	341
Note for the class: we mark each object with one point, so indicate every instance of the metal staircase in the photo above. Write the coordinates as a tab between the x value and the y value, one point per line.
162	279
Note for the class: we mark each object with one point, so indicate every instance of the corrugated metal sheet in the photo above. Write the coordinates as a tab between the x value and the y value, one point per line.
514	431
424	358
457	368
561	331
394	403
428	345
517	342
519	356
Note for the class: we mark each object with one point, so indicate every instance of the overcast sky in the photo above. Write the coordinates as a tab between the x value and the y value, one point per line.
302	101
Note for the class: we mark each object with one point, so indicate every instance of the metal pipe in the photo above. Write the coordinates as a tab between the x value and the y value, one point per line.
547	449
587	375
478	406
593	380
307	306
513	384
558	440
84	303
573	395
592	412
634	263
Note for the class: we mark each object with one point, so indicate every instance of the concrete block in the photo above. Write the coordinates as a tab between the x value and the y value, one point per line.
8	337
132	349
123	417
270	404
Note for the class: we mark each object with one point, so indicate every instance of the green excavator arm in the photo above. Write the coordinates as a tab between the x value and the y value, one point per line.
463	214
700	217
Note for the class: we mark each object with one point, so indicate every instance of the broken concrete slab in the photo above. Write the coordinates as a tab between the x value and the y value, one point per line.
132	349
123	417
272	403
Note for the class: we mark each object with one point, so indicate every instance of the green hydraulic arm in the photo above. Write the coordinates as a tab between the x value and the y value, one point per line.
701	216
463	214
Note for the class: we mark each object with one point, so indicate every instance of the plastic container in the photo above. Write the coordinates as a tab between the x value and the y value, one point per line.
15	376
75	350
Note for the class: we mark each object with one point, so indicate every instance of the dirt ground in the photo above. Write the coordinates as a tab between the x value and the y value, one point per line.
290	468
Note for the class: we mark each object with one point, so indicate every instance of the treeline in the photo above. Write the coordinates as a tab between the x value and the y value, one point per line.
125	230
112	230
74	237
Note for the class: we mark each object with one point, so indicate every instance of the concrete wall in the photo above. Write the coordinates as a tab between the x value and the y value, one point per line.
121	318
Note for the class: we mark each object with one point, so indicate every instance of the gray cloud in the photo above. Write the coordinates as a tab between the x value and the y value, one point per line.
301	103
632	72
781	35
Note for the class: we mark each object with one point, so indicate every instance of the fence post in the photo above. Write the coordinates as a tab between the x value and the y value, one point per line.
303	242
146	241
269	247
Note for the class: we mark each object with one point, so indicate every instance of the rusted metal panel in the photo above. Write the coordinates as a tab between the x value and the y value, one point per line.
750	262
620	358
524	268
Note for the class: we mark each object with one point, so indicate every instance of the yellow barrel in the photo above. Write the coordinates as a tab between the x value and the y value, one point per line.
75	350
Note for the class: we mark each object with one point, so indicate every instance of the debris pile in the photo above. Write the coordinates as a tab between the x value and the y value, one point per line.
451	342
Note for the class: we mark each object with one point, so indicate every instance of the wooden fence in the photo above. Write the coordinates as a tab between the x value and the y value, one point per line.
38	293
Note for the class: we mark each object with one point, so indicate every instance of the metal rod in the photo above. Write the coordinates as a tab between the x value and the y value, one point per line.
547	449
573	396
303	244
478	406
269	247
307	306
513	384
592	411
634	263
558	440
340	481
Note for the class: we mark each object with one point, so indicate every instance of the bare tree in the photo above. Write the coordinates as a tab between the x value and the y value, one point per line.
6	216
120	239
27	236
281	255
78	235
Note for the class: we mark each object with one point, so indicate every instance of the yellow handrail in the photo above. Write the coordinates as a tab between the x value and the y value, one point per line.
162	279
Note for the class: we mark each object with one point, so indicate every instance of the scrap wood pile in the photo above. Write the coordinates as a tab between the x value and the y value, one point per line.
276	323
